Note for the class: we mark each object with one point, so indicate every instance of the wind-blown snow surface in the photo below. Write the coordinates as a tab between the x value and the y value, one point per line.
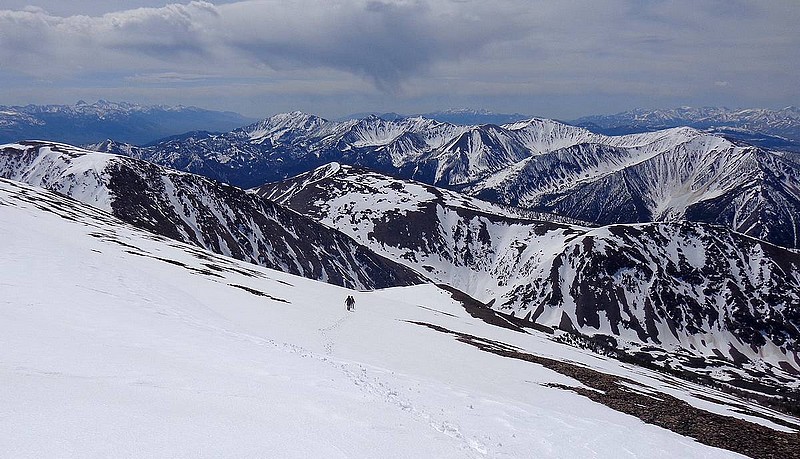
115	342
689	289
194	209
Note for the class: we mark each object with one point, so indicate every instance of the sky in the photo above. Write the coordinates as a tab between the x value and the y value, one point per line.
559	59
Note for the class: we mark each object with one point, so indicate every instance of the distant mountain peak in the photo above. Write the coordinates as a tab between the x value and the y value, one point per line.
464	110
779	129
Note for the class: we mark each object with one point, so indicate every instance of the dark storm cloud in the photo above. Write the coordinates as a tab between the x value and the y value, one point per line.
387	42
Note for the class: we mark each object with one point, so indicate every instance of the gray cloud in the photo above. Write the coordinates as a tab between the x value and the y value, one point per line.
386	42
36	42
515	51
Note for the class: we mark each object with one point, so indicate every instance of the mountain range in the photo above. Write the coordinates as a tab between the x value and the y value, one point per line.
463	116
88	123
672	293
85	123
759	126
538	164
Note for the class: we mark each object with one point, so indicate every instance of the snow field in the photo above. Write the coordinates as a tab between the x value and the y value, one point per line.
106	350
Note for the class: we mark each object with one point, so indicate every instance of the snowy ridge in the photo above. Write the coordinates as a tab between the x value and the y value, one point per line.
194	209
184	350
60	168
665	286
273	128
543	135
694	176
566	156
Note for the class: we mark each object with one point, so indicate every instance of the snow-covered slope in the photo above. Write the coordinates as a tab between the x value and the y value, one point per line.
194	209
116	342
683	288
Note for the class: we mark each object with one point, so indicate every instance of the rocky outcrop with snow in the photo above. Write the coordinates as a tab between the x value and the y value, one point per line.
194	209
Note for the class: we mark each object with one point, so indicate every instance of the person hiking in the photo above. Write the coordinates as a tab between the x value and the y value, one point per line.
350	302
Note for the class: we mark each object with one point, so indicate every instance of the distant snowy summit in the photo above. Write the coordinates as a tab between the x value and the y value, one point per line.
467	116
459	116
759	126
84	122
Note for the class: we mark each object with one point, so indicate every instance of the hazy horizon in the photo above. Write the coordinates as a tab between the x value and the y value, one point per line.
440	110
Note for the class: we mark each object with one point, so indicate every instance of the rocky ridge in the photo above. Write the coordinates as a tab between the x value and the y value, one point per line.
194	209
